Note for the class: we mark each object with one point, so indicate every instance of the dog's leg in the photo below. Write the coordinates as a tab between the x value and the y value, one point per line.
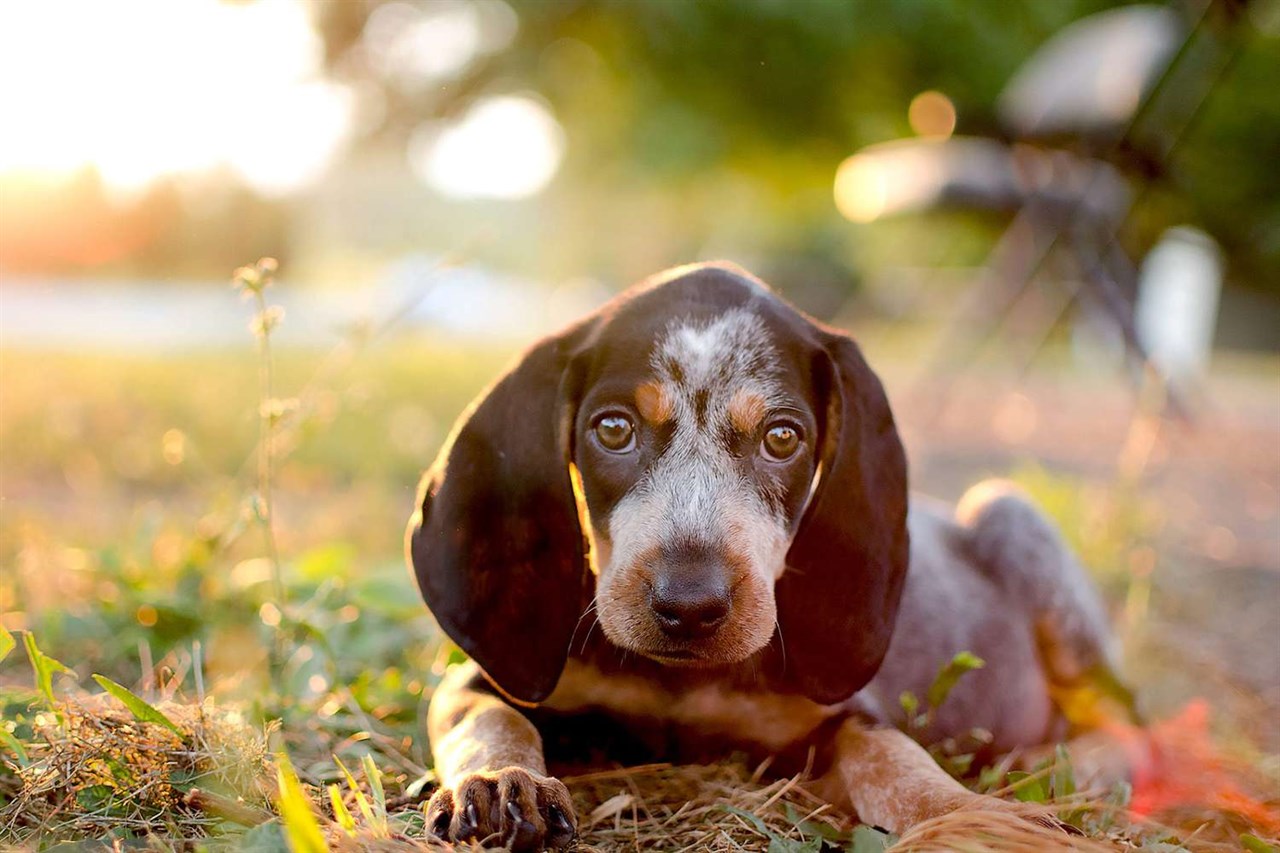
1019	548
494	785
891	782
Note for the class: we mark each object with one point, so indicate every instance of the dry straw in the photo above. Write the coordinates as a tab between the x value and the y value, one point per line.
96	769
93	769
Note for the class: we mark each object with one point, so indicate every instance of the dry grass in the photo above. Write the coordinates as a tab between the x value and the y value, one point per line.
93	770
710	808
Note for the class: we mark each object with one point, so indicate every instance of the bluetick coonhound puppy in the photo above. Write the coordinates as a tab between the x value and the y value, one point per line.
689	512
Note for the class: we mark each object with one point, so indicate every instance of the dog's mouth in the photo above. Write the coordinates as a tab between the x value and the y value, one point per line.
699	656
626	612
677	657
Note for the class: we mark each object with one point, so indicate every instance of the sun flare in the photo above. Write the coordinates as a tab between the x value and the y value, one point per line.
147	88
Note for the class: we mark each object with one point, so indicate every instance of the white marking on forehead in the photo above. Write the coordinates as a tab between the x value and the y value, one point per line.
733	349
695	490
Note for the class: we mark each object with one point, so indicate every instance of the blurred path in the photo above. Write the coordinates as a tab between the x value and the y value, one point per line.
175	315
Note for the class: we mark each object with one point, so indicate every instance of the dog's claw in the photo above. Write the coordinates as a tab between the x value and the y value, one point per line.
560	830
558	820
512	808
469	826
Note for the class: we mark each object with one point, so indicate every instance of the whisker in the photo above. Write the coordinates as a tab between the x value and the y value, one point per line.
782	643
590	609
590	628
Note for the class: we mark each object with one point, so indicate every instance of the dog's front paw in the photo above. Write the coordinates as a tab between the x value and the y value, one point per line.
512	807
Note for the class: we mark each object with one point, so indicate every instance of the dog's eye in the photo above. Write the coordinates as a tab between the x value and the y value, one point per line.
781	441
615	433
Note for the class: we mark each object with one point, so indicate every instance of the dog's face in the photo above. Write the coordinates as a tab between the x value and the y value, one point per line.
742	477
696	449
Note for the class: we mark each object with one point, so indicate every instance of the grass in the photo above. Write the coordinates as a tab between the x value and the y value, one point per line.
223	553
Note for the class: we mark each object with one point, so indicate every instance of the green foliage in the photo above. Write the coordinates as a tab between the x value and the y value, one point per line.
1254	844
375	812
15	746
1052	782
1028	787
44	668
939	689
6	643
816	837
141	710
777	844
955	758
868	839
268	837
947	677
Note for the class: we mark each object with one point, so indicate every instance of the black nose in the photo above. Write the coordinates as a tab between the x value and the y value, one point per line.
689	611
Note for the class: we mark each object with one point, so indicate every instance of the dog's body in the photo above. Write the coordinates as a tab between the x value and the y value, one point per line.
689	513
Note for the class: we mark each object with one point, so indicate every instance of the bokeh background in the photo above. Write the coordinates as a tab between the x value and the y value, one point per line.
442	182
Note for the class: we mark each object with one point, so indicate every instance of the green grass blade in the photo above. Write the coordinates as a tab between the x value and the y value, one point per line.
300	822
949	675
361	800
341	812
1254	844
1027	788
868	839
756	823
1063	778
6	642
44	667
15	746
374	776
142	711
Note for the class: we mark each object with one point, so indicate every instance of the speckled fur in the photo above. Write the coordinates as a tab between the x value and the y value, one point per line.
706	371
992	578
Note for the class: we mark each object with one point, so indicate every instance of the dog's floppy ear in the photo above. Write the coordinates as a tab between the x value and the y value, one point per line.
838	598
495	544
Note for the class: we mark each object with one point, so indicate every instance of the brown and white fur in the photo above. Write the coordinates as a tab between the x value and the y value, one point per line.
688	514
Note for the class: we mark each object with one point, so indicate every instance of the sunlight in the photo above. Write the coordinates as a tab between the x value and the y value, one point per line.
418	44
891	177
860	189
504	147
932	114
150	88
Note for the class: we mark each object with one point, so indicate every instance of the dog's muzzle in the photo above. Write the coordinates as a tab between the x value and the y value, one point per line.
690	597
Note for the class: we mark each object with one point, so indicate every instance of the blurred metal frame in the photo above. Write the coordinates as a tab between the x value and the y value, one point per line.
1092	101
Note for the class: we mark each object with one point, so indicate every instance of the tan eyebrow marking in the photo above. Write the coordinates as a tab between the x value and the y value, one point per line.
746	410
655	402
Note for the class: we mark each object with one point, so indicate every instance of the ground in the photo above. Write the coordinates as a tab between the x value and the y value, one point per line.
133	545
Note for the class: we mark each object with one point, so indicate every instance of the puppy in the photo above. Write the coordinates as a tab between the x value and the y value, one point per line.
688	512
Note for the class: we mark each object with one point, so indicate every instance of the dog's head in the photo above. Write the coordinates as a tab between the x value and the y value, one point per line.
714	469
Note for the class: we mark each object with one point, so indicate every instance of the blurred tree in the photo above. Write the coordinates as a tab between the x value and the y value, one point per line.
691	128
730	118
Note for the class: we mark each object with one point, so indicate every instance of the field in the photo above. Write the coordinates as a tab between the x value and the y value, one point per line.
260	606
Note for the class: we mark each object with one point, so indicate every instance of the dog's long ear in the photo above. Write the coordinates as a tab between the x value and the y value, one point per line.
495	543
838	598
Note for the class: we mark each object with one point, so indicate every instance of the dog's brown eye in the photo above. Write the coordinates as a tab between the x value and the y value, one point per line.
781	441
615	433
